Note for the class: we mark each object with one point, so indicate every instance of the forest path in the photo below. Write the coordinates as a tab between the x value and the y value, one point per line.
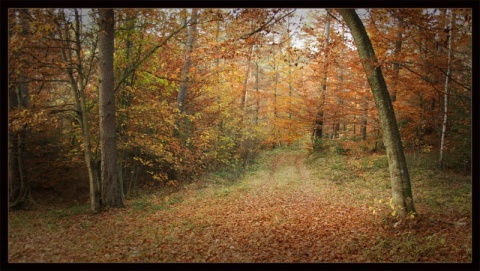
287	208
278	212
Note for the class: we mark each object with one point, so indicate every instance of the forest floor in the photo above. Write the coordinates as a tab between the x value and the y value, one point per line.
291	206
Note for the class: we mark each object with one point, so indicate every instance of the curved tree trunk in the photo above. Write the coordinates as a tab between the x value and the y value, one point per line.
400	179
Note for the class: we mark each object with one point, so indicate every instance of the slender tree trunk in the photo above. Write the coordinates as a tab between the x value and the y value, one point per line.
78	86
125	100
290	79
275	86
257	88
319	119
447	78
340	101
399	176
354	127
363	124
13	172
111	190
182	92
325	63
19	98
12	168
243	103
396	54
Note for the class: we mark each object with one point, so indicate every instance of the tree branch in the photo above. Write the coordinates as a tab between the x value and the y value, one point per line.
262	27
140	62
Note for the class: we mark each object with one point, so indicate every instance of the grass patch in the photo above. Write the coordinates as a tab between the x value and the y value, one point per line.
72	211
149	205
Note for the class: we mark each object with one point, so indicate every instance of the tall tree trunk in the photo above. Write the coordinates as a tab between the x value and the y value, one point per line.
111	190
257	89
396	54
340	101
363	124
243	102
17	171
447	78
125	100
13	173
275	90
182	92
319	119
399	176
12	168
78	85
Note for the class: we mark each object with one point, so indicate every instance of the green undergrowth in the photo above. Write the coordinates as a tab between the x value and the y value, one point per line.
367	178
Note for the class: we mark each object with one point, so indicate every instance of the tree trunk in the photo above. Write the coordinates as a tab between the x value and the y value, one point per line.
445	105
275	91
111	191
396	54
399	176
319	119
257	89
12	168
243	104
125	99
363	124
17	171
78	86
182	92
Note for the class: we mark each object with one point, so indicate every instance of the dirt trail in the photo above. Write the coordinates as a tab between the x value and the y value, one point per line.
270	216
281	212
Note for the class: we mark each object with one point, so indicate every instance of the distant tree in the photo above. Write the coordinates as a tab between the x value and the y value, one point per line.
18	99
192	29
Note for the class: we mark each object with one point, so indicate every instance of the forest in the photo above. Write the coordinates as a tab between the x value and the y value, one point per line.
240	135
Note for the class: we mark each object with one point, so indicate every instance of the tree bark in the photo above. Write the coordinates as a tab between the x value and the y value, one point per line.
17	171
13	174
399	176
396	54
182	92
445	101
364	122
78	85
257	92
243	103
111	192
319	119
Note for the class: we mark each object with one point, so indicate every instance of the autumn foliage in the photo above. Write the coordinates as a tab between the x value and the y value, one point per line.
255	80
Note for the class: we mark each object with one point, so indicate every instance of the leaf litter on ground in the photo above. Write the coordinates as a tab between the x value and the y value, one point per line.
287	210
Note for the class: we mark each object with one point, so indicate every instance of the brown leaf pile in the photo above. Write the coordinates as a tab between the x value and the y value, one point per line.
277	214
